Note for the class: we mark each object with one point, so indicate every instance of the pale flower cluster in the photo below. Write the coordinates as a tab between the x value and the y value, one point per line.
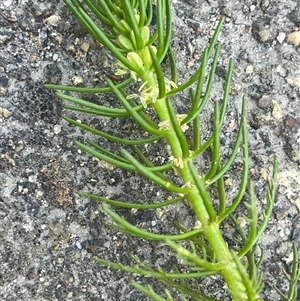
150	94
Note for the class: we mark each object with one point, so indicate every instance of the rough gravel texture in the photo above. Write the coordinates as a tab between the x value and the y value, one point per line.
49	235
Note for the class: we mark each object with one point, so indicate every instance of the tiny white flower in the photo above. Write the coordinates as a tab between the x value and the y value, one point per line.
131	96
120	72
170	84
164	125
180	118
188	185
178	162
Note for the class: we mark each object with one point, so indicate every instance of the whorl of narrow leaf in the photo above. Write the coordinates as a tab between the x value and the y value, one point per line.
139	51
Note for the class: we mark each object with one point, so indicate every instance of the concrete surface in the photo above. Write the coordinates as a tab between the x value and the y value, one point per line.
48	234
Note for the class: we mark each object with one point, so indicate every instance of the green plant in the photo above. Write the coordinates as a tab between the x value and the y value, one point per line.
127	35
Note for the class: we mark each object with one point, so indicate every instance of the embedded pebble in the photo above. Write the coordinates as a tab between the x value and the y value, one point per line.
3	91
55	57
291	125
4	112
249	69
294	38
296	203
85	46
12	17
289	258
5	37
280	69
294	81
159	213
70	48
7	3
57	129
60	260
59	39
264	102
77	80
78	245
53	20
39	194
277	112
264	30
265	35
281	37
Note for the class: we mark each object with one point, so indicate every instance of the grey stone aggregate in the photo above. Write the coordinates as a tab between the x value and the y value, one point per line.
49	235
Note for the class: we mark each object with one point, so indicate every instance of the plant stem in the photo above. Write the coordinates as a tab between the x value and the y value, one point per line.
130	42
211	229
223	255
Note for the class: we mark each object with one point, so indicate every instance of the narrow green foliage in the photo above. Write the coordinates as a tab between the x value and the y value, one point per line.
124	226
293	279
124	204
140	51
151	293
111	137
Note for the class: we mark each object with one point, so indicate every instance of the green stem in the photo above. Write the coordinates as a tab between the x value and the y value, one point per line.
230	273
195	185
211	229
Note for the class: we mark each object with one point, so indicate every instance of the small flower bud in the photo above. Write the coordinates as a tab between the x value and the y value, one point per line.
135	59
116	31
137	18
125	43
116	17
153	48
125	25
133	39
146	56
145	34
